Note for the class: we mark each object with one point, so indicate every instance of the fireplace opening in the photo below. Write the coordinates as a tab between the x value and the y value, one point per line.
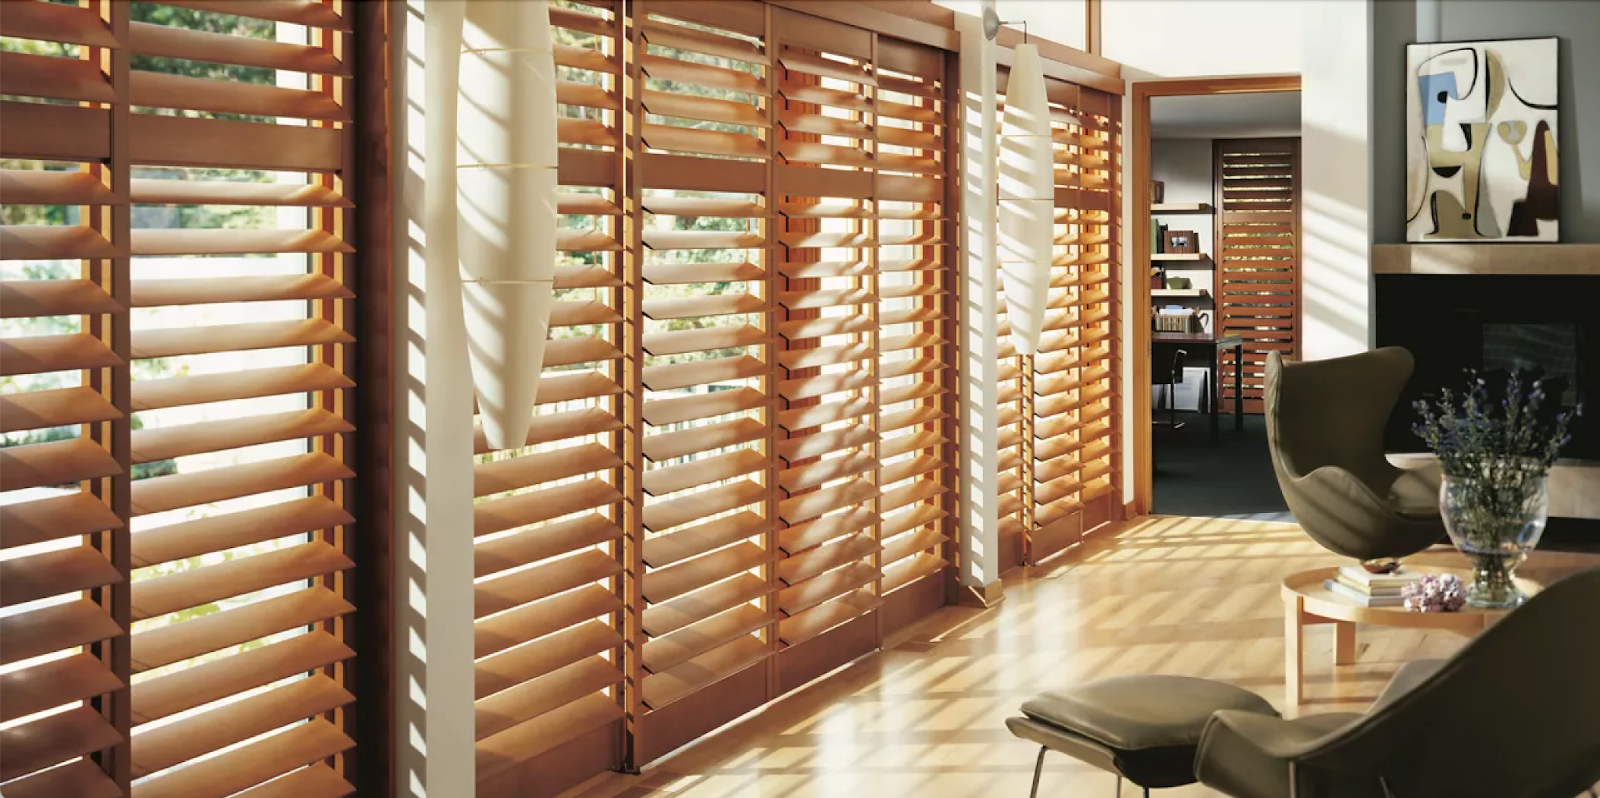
1544	326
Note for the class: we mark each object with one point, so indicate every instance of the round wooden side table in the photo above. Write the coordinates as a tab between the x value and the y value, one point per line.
1307	602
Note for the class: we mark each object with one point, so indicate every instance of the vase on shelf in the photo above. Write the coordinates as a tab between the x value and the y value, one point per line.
1496	520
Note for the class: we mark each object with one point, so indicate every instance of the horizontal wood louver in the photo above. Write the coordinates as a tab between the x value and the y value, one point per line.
63	367
548	515
202	182
1258	256
1060	442
706	131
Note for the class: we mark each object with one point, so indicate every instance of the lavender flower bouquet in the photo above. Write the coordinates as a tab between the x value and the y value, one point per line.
1495	457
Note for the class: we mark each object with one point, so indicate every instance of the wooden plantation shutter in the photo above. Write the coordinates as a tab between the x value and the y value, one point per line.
1258	197
1060	437
227	129
705	531
547	516
63	526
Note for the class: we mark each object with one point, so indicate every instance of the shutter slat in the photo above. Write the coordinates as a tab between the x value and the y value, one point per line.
164	645
694	206
555	426
810	505
906	495
220	48
34	298
53	242
667	617
894	524
579	21
300	12
908	545
548	629
837	98
705	339
36	465
681	544
672	445
253	764
80	779
702	372
52	22
665	584
584	58
805	565
659	412
247	384
703	471
175	743
808	624
53	684
54	628
703	239
542	581
807	387
905	572
532	545
55	77
820	414
703	142
236	337
810	593
692	641
236	577
530	680
160	90
829	527
212	290
819	473
499	515
544	694
796	359
795	450
683	273
152	444
186	241
682	37
24	523
661	689
528	470
54	573
232	530
586	95
39	187
201	684
584	131
176	491
665	515
574	314
52	740
572	351
711	77
694	307
317	781
704	109
525	741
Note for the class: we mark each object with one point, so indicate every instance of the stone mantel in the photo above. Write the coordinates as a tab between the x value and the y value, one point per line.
1504	259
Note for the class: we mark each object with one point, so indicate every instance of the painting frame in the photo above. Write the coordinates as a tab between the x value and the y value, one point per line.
1482	133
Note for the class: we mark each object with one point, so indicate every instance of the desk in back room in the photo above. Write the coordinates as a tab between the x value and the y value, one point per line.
1166	342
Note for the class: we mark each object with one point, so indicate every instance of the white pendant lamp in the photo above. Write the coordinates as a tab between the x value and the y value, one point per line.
506	183
1027	199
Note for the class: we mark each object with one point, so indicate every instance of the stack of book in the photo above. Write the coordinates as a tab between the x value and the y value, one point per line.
1355	584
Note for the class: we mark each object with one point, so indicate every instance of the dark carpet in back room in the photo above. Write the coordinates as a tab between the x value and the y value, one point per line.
1230	477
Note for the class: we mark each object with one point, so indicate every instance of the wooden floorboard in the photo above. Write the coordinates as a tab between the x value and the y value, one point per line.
1189	596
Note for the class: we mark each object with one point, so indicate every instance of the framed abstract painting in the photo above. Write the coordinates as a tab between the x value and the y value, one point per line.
1481	157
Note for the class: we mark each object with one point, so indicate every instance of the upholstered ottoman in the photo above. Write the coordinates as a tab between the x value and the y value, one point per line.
1143	727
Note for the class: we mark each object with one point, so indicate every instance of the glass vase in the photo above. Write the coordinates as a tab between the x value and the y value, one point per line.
1495	522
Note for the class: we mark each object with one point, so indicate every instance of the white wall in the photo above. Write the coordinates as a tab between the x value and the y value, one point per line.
1174	38
1335	157
1060	21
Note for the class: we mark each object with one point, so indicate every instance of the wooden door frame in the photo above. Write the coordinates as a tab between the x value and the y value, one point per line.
1139	94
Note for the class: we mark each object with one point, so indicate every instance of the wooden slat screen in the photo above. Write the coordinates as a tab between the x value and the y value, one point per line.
1060	434
1258	256
201	397
547	517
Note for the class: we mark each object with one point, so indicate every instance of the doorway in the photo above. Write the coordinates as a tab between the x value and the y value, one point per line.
1215	287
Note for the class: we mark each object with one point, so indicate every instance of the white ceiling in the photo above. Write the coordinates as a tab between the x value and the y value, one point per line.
1225	116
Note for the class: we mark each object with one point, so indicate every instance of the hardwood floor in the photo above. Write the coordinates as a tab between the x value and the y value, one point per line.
1193	596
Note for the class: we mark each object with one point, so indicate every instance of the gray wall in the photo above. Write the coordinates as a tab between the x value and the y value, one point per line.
1576	22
